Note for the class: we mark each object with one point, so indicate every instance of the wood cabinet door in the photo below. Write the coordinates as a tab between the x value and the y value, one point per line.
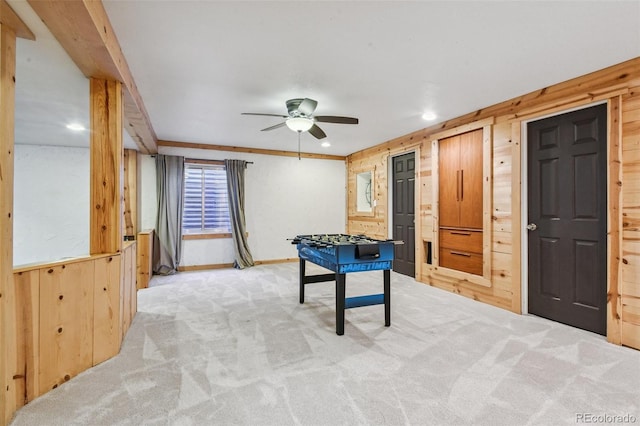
448	171
470	180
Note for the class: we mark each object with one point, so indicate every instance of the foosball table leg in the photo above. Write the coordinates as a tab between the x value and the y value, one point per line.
302	272
340	302
387	297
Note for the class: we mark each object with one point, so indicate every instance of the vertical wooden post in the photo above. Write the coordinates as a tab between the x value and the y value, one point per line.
130	192
106	167
8	339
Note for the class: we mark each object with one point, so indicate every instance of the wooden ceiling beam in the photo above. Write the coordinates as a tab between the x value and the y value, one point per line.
9	18
83	29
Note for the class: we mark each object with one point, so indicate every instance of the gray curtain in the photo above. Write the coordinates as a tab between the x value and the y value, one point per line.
235	187
168	239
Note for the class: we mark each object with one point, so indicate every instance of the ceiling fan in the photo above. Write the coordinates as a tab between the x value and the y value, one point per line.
300	118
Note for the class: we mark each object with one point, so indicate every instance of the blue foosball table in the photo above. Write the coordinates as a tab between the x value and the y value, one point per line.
343	254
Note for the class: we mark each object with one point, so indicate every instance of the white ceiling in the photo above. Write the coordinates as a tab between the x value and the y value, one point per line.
199	64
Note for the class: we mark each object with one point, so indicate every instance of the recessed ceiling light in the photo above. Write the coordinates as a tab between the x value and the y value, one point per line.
75	126
429	116
325	144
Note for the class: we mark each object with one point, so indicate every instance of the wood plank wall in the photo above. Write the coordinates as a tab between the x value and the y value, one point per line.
7	296
617	85
72	315
145	258
630	268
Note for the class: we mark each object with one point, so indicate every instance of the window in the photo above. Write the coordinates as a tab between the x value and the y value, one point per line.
206	204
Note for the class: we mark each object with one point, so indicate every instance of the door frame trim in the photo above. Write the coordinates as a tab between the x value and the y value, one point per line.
524	192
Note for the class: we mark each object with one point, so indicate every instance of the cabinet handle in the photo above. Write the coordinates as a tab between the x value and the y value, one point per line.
460	233
457	185
461	185
458	253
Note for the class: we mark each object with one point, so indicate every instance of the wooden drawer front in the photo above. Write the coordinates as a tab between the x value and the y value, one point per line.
461	260
467	241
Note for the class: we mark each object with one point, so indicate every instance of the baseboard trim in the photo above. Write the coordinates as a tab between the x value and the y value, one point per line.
188	268
274	261
204	267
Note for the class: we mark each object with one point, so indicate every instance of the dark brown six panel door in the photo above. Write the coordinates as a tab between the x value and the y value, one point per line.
404	228
567	218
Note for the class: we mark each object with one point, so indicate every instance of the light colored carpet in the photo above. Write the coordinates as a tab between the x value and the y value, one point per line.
235	347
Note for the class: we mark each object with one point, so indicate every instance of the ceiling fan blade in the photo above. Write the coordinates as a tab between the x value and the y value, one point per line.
335	119
268	115
317	132
307	106
274	127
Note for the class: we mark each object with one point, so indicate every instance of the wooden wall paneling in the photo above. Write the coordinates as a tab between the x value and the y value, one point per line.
376	225
8	338
630	219
435	194
487	199
27	285
106	165
630	324
450	282
130	214
614	172
564	105
630	335
516	217
107	332
425	214
66	322
630	269
419	246
144	258
133	287
124	295
128	286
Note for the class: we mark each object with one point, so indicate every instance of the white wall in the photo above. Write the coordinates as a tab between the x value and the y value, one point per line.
51	203
284	197
147	192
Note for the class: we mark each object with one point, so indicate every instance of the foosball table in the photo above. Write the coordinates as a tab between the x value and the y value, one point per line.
343	254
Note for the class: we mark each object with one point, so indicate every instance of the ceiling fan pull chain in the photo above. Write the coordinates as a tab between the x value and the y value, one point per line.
299	144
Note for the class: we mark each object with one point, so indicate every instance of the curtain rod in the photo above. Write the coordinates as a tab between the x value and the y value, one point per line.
201	159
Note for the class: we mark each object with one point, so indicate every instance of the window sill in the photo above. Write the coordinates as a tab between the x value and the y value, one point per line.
211	236
205	236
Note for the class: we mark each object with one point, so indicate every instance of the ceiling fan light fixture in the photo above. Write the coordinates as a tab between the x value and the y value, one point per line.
299	124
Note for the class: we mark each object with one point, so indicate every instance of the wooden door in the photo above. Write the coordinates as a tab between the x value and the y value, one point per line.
404	229
567	200
470	180
448	174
